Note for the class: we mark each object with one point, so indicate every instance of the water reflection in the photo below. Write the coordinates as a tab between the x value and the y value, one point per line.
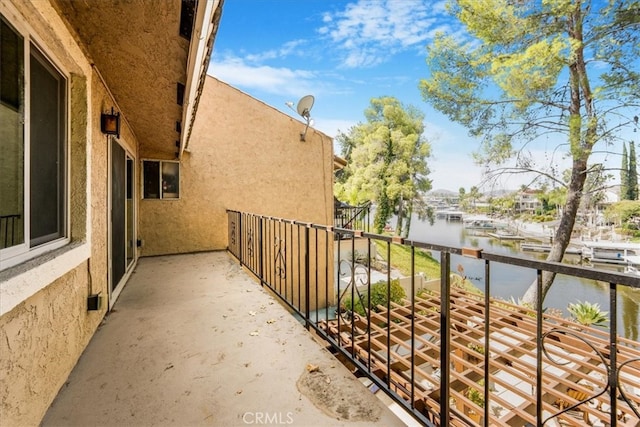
509	281
630	313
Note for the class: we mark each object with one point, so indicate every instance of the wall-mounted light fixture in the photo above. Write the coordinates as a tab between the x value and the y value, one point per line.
304	109
110	123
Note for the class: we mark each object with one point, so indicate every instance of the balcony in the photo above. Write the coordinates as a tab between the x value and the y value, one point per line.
497	364
195	340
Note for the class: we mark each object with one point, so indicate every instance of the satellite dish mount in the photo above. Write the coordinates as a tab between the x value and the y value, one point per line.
304	109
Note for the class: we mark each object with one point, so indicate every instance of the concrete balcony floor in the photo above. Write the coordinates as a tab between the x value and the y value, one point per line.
194	340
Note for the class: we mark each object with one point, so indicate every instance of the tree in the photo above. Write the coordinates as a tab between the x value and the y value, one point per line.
632	175
557	67
474	195
624	174
387	163
623	211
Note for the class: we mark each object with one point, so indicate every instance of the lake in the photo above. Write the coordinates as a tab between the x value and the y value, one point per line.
510	281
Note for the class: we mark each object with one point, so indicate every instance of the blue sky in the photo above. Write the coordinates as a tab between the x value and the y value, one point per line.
344	53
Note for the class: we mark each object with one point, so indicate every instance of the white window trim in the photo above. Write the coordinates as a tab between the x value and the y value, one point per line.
18	254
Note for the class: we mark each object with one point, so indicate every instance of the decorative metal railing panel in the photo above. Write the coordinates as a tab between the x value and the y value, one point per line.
446	353
352	217
10	230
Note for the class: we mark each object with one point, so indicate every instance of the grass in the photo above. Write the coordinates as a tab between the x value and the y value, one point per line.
424	263
401	260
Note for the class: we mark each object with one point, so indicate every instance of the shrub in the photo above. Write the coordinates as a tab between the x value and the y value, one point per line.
588	314
378	297
476	396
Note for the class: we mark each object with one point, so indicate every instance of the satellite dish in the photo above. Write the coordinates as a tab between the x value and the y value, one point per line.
304	106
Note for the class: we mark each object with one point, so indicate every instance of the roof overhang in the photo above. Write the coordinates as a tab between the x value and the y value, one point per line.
137	50
339	163
206	24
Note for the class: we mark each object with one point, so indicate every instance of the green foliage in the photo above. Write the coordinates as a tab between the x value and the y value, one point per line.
469	200
476	347
624	174
378	297
379	294
387	162
632	180
475	396
401	259
529	69
543	217
624	211
588	314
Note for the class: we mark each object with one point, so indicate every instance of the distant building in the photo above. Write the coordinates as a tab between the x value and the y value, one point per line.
527	201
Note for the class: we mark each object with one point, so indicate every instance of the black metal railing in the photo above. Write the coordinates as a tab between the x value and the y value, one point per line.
352	217
446	353
9	230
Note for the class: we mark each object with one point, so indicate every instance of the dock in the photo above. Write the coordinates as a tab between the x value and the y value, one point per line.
539	247
505	236
450	215
607	252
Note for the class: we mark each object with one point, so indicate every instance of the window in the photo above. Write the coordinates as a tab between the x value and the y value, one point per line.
161	179
33	165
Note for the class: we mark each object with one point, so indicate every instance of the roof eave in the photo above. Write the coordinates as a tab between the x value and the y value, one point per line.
206	23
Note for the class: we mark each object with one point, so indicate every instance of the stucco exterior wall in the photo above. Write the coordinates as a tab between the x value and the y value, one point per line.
40	342
44	322
243	155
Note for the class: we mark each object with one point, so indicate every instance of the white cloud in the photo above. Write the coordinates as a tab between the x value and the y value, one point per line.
275	80
289	48
370	31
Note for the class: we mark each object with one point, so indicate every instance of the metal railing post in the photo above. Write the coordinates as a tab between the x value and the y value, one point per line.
239	240
445	340
261	250
307	297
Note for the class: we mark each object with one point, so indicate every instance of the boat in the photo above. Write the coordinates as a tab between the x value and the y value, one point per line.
630	269
608	252
450	215
479	222
535	247
505	235
540	247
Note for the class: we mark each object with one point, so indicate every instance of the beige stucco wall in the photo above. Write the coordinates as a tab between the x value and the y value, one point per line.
42	337
40	342
243	155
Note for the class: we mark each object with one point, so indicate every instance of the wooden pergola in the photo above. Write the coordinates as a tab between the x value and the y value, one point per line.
575	361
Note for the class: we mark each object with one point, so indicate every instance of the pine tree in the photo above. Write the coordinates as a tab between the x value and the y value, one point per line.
532	67
624	174
632	179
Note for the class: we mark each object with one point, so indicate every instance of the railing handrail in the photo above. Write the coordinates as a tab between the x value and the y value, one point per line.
553	267
295	260
357	211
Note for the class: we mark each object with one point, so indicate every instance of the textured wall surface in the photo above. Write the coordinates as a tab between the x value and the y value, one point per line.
42	337
40	342
243	155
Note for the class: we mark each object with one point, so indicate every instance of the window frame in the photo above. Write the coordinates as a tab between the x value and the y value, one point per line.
32	45
161	195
